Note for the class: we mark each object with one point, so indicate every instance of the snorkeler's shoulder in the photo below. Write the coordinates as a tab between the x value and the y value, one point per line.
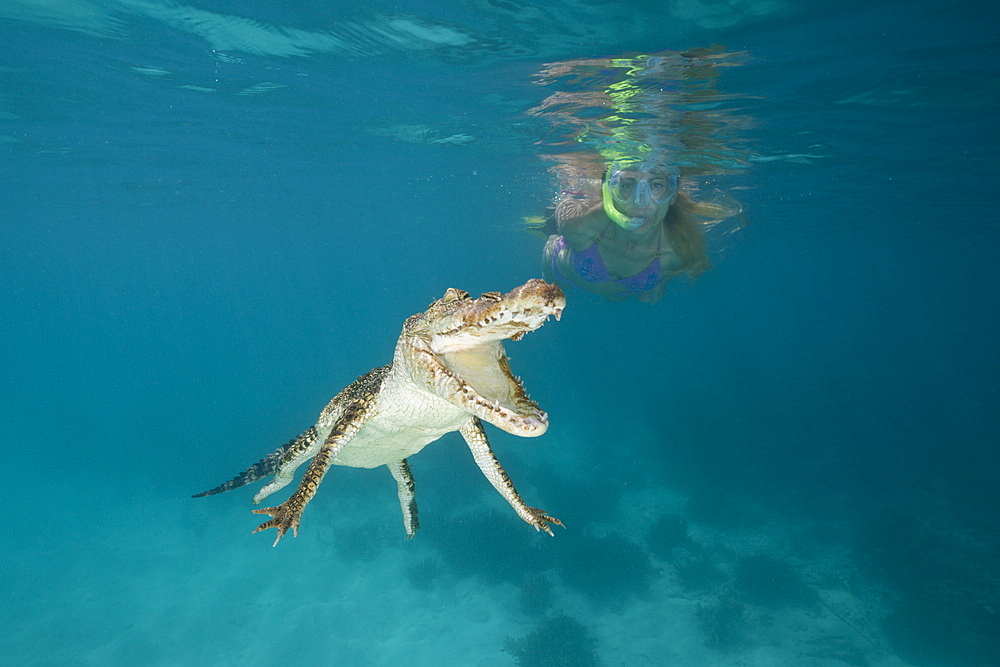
577	211
581	223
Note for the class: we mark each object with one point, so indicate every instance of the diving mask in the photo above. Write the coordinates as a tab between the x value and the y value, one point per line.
636	188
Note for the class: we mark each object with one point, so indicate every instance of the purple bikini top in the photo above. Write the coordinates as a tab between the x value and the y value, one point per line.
589	266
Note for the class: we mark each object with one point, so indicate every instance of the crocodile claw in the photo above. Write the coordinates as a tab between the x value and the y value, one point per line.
284	519
540	520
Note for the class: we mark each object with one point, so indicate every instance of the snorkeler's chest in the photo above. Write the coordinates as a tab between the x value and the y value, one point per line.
622	262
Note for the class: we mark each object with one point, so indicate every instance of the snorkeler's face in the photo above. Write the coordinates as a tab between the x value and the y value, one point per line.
636	191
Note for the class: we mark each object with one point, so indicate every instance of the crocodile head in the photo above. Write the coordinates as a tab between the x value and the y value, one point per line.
455	350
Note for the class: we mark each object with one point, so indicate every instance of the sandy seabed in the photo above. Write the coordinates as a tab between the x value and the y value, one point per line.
182	582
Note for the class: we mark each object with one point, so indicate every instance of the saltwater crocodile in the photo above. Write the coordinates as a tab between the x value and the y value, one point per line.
449	373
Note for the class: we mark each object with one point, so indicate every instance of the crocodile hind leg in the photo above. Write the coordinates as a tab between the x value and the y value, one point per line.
289	513
405	488
487	461
302	449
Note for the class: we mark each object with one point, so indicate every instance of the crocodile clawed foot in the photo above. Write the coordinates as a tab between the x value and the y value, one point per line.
284	518
540	520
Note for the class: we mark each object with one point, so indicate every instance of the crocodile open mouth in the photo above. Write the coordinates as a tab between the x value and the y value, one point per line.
467	336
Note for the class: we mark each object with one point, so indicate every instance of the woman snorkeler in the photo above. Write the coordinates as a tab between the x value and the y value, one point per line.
621	130
632	235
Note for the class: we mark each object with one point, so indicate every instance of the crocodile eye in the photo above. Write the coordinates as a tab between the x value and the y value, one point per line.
453	294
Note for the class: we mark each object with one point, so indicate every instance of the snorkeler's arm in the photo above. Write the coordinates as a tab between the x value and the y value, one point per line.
570	210
580	221
655	294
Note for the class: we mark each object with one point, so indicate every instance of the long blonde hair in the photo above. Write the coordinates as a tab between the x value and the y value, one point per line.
685	224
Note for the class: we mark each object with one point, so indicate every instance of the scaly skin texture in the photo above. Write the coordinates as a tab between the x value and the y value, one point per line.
449	373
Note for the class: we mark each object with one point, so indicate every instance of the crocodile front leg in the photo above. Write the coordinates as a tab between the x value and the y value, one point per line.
289	513
487	461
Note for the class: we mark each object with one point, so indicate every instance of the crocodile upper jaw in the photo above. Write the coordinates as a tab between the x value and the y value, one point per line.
466	337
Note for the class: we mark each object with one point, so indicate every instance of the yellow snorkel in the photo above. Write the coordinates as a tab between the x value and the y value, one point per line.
619	218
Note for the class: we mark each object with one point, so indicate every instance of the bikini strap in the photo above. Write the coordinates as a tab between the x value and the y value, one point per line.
600	237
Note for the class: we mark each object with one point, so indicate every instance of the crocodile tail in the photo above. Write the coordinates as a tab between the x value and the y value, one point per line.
266	465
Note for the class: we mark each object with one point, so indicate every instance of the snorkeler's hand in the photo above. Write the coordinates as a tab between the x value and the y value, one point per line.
655	294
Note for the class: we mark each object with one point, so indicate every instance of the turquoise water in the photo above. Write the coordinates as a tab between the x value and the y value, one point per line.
216	215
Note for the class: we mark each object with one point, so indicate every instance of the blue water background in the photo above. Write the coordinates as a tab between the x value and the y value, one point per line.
201	243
